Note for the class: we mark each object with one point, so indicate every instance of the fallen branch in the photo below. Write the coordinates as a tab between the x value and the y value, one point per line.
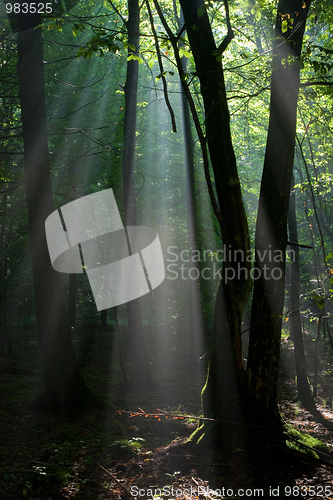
162	413
115	479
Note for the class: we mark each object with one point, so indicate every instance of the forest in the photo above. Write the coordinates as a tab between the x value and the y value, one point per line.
166	249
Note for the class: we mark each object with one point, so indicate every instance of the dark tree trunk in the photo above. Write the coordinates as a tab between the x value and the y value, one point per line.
315	357
304	393
71	307
131	88
221	396
64	386
104	319
271	229
140	374
4	328
194	289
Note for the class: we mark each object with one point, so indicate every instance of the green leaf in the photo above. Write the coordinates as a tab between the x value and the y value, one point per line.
201	10
160	75
284	26
329	256
184	53
129	46
78	28
319	300
132	57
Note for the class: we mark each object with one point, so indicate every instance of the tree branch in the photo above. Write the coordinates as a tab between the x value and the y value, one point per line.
230	35
117	12
308	84
117	480
298	245
313	200
159	57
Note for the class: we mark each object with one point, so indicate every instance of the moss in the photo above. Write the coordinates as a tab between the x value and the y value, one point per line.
304	442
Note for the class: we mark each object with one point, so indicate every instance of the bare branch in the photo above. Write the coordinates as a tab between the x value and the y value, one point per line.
159	57
307	84
230	35
298	245
117	12
314	204
116	479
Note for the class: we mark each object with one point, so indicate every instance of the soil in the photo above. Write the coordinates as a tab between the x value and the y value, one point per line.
135	450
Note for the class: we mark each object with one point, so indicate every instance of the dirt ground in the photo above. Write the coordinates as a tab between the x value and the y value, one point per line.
109	454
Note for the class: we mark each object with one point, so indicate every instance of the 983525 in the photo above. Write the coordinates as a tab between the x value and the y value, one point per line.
31	8
307	491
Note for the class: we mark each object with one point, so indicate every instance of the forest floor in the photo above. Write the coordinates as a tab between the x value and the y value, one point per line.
103	454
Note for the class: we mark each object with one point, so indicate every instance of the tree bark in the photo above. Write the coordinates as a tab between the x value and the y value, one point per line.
131	88
71	304
104	319
64	386
195	308
271	228
304	393
221	395
140	373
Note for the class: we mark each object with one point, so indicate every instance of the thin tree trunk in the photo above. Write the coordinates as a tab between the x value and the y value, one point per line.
4	330
315	357
140	374
4	334
104	319
194	288
271	229
71	307
303	388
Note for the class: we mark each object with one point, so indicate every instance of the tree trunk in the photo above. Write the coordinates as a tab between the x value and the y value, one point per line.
195	308
71	305
140	374
64	386
315	358
4	330
221	395
271	229
131	88
304	393
104	319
